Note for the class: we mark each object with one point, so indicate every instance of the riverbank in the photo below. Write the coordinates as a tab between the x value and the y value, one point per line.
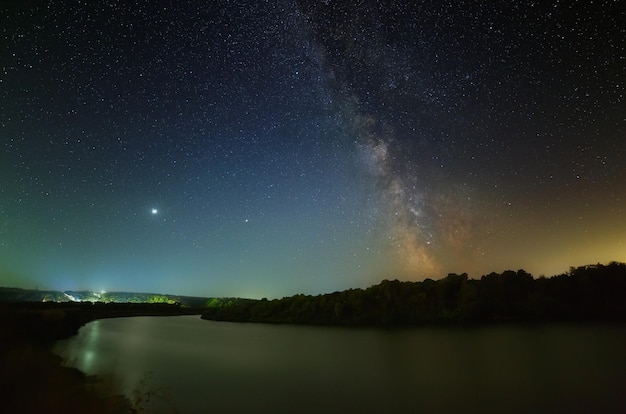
33	379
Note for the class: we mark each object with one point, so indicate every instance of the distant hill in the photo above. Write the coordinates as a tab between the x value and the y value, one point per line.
12	295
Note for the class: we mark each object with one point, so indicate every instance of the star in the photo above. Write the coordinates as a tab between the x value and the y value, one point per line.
429	144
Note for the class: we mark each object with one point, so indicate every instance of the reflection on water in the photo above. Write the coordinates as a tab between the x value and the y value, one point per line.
204	366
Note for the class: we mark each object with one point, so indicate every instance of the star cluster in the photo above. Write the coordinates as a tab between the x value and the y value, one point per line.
256	149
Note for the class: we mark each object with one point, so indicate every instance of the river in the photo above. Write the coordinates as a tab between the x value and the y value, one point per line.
197	366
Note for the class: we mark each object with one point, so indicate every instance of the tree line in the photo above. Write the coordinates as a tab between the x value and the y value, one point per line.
586	293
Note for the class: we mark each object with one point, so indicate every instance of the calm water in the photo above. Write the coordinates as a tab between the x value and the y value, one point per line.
201	366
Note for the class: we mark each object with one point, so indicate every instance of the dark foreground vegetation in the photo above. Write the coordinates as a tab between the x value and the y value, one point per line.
34	380
594	293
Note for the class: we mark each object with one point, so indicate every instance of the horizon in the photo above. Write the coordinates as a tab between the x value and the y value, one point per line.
260	149
114	291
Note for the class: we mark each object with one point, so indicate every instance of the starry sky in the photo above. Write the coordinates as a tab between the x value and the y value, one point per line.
268	148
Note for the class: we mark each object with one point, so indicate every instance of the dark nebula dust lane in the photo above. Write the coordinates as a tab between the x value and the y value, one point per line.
236	148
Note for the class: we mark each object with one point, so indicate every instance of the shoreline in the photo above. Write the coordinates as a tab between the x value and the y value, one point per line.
35	379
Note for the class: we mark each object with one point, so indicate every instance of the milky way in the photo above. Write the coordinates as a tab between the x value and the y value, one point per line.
269	148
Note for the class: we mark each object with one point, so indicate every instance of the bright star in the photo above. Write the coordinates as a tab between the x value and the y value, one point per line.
155	211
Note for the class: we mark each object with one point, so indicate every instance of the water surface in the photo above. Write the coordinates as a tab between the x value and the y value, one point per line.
201	366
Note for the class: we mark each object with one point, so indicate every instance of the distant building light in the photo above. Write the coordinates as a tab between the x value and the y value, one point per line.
70	297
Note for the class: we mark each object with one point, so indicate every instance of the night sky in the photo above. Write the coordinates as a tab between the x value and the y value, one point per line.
268	148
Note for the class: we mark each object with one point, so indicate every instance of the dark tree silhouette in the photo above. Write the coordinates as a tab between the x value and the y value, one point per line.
586	293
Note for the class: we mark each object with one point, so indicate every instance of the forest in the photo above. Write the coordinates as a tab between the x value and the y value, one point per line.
589	293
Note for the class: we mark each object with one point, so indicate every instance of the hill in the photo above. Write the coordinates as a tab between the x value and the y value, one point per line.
12	295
